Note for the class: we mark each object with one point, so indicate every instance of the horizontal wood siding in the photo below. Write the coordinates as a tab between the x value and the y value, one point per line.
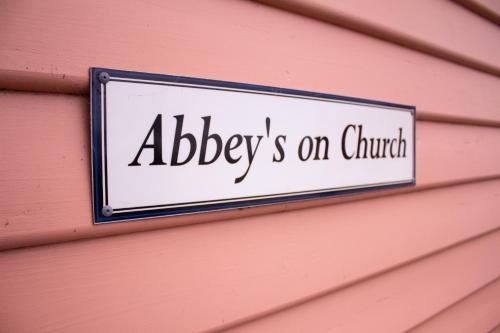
489	9
427	25
423	259
213	275
38	53
477	312
396	300
47	176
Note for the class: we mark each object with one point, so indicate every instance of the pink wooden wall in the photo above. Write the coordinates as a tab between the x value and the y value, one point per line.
424	259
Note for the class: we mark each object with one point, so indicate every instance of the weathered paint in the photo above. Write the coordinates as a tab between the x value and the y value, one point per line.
424	259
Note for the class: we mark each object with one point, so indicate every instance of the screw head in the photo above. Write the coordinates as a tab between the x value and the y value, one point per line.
104	77
107	211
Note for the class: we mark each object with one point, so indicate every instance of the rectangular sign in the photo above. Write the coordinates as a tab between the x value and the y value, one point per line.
168	145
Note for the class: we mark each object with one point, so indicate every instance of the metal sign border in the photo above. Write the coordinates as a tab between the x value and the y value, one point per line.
102	214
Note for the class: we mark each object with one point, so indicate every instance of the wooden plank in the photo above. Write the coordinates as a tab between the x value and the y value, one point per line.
493	5
45	193
395	301
489	9
427	26
478	312
49	46
204	276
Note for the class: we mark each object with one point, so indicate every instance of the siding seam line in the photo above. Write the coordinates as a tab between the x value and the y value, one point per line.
452	304
481	10
495	328
329	292
394	37
422	115
402	191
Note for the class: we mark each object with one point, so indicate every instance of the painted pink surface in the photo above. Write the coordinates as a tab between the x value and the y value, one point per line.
207	276
489	9
416	24
46	178
493	5
425	259
395	301
56	42
478	312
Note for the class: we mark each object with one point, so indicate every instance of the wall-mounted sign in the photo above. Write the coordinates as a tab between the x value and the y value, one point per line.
166	145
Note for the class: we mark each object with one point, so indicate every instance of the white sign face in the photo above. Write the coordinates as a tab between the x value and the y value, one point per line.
165	145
